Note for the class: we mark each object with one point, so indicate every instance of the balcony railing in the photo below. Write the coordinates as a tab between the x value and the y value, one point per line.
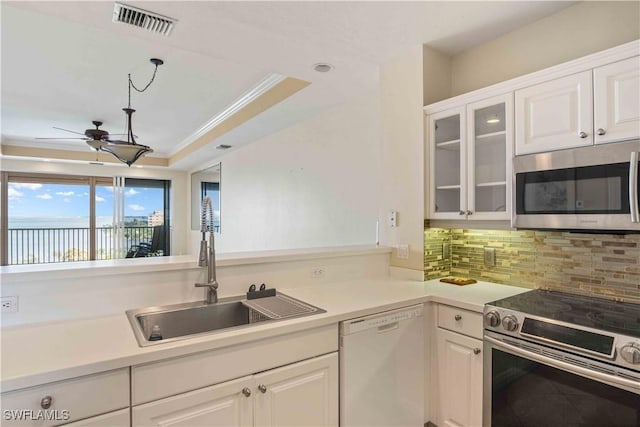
50	245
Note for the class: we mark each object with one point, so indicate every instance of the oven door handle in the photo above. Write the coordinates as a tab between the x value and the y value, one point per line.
633	187
607	379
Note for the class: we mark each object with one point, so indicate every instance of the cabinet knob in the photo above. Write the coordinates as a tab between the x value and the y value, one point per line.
469	213
46	402
457	317
461	213
582	135
246	391
476	351
262	388
601	131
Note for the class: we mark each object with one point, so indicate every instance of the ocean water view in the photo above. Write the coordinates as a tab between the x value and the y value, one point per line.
59	221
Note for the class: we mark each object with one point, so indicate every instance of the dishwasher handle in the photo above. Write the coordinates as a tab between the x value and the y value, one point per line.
388	328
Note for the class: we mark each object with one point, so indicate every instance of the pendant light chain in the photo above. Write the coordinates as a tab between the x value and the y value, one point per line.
131	84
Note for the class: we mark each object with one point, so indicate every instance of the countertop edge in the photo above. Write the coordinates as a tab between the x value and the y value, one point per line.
424	292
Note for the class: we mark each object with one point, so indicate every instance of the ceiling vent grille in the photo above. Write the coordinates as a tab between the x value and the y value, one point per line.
142	19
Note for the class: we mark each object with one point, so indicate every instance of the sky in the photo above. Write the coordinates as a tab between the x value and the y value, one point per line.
62	200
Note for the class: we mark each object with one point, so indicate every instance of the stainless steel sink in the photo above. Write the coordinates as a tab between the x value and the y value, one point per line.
180	321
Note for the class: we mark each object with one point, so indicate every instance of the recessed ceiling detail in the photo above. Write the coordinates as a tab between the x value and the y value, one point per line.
140	18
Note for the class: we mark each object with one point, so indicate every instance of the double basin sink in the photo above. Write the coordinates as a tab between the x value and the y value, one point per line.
180	321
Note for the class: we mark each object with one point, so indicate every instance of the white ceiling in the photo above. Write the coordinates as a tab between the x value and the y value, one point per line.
65	63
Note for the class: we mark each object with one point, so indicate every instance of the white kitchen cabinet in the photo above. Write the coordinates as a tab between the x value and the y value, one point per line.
460	379
456	367
112	419
81	398
228	404
554	115
470	160
304	393
617	101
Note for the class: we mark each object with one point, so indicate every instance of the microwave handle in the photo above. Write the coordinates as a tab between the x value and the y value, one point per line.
633	187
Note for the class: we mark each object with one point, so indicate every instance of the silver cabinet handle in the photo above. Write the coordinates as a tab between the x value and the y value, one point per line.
582	135
46	402
476	351
262	388
246	391
461	213
633	187
469	213
457	317
601	131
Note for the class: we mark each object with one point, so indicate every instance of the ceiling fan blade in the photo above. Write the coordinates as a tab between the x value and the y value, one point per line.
66	139
67	130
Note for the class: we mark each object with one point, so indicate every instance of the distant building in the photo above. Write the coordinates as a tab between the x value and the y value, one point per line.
156	218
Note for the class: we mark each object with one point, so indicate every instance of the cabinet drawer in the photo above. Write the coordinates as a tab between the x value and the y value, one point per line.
460	320
73	399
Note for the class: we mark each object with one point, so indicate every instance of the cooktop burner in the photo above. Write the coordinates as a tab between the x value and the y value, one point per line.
597	313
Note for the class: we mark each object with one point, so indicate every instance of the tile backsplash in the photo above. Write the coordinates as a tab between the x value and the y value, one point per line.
601	265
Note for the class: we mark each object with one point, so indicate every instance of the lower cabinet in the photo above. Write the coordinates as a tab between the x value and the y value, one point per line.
112	419
459	367
300	394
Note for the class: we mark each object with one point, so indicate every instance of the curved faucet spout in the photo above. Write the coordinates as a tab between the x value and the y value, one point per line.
207	257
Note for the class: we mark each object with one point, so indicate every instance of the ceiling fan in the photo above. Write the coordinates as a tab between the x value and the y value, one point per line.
94	137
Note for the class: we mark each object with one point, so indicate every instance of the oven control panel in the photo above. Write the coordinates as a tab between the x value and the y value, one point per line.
622	350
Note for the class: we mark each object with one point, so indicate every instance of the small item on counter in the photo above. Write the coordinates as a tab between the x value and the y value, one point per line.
252	288
156	334
460	281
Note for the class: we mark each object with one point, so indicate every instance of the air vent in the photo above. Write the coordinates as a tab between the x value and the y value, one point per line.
142	19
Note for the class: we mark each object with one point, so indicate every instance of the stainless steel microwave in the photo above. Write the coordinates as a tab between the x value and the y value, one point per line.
591	189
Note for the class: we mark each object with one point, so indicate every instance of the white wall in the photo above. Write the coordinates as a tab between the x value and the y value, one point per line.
179	187
580	29
314	184
402	156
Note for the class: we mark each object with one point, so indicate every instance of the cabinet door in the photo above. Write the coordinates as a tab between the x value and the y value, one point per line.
113	419
617	101
448	199
489	151
220	405
302	394
555	115
459	379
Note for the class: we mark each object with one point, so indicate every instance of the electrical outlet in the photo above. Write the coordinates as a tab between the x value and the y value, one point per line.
489	257
317	272
402	251
446	250
9	304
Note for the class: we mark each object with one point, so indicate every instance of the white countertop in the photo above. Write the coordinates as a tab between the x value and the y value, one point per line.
41	353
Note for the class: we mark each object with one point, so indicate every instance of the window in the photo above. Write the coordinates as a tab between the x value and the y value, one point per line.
60	218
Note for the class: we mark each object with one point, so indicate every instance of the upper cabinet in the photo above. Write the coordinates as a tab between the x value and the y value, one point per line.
616	90
472	138
595	106
470	160
555	115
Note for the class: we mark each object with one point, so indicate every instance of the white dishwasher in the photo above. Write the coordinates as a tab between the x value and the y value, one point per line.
382	369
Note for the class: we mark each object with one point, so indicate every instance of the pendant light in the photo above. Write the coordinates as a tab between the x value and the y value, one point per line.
129	151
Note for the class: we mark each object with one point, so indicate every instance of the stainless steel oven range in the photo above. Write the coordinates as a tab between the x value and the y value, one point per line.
555	359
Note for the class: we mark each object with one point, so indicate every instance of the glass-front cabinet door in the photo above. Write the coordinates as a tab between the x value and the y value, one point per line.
470	160
489	151
447	165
